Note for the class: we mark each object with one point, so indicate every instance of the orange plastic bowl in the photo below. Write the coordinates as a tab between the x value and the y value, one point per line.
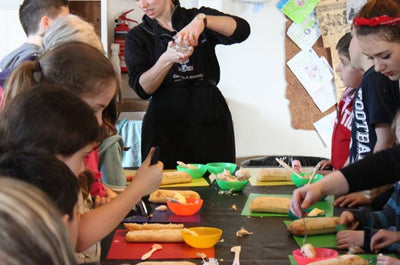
206	237
191	206
321	254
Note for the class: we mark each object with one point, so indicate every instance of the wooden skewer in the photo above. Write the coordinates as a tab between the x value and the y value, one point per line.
282	163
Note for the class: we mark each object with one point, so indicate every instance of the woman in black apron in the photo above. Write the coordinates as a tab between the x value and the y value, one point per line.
187	117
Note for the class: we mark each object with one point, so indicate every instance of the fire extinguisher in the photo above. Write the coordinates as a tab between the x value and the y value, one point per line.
120	32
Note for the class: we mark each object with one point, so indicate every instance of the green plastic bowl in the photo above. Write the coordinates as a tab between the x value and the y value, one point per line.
299	182
218	167
194	173
231	185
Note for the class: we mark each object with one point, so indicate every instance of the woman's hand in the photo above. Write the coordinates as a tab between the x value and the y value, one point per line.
352	199
348	238
174	56
191	33
384	238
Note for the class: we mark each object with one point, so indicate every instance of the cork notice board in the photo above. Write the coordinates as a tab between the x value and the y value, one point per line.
304	112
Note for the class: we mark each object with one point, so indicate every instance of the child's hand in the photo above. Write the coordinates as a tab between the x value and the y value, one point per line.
347	238
386	260
148	177
99	201
325	164
351	200
384	238
347	218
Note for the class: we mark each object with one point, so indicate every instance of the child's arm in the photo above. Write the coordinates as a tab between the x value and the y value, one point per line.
385	238
384	137
349	238
98	223
387	260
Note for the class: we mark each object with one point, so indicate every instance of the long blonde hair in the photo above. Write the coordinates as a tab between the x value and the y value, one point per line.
31	229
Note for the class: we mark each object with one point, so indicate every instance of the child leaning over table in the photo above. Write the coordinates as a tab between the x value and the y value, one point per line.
351	78
380	228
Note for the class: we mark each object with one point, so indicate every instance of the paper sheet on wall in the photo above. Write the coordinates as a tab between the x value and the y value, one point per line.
324	128
315	76
332	21
297	10
353	6
306	33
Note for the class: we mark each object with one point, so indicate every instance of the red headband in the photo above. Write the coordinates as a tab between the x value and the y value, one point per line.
376	21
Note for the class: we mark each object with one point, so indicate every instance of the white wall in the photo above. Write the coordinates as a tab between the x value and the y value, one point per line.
252	78
11	32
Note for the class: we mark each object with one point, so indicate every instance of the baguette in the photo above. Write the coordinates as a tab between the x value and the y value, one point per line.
314	226
157	235
175	177
270	204
154	226
348	259
166	263
273	174
160	196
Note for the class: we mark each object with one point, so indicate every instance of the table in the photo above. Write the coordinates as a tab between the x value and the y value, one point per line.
270	243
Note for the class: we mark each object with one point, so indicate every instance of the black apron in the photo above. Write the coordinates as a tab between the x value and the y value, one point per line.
190	122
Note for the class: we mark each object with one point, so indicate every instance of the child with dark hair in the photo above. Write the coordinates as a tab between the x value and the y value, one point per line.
50	175
49	119
351	78
83	70
36	17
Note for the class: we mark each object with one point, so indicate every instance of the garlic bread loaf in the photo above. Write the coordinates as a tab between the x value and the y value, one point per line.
166	263
175	177
273	174
348	259
270	204
161	195
156	235
314	226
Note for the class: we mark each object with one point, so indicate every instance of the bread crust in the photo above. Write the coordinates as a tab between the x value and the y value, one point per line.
161	195
152	226
270	204
348	259
175	177
314	226
155	235
273	174
166	263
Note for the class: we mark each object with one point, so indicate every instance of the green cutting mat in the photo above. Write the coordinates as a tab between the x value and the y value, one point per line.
326	205
320	241
370	257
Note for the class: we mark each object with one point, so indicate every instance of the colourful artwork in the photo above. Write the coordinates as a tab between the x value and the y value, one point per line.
297	10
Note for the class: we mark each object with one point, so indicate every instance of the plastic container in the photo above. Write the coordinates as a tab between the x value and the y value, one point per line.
321	254
206	237
299	182
231	185
191	207
195	173
218	167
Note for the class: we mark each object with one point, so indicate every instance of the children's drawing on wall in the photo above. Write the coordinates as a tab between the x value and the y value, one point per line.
305	34
315	76
297	10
